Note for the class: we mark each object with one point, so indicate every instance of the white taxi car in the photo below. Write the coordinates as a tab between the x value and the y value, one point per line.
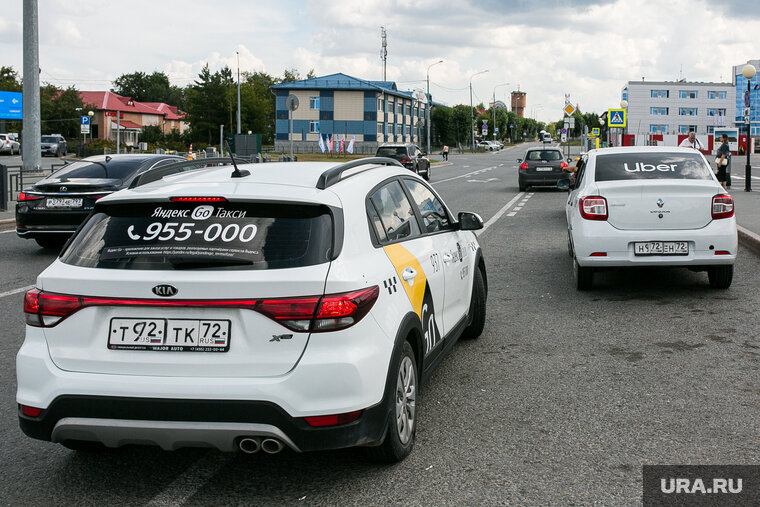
290	305
650	206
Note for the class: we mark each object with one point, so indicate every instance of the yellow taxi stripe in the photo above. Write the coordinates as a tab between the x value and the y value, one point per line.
401	259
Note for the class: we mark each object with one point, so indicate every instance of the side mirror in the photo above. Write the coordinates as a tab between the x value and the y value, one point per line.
519	160
469	221
563	185
569	159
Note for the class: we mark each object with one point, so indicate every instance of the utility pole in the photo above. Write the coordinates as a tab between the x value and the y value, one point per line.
383	49
429	103
32	133
472	131
238	101
118	131
221	140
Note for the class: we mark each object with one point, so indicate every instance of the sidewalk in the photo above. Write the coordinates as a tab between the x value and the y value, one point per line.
747	204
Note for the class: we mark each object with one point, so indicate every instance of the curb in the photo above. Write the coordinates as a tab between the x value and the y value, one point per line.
7	223
749	239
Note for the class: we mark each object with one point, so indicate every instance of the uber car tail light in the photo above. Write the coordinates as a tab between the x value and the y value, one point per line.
722	206
26	197
406	160
524	166
333	420
593	208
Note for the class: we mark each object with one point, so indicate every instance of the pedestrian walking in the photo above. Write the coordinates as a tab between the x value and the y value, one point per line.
691	142
445	152
723	160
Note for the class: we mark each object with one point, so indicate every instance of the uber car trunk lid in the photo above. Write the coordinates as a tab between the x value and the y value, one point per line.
658	204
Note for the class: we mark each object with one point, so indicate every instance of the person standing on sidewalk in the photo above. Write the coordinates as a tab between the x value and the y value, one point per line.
691	142
445	152
723	160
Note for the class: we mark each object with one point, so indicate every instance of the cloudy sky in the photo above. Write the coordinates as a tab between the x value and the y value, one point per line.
548	48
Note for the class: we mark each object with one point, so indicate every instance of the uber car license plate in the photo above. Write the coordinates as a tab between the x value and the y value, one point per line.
661	248
63	202
543	168
169	335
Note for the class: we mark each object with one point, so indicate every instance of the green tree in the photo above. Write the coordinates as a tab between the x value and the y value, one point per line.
209	104
60	110
258	105
290	75
311	74
461	124
442	127
9	80
152	134
153	87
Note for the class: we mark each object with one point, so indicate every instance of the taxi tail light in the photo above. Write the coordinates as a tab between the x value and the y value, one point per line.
333	420
593	207
30	411
524	166
43	309
27	197
722	206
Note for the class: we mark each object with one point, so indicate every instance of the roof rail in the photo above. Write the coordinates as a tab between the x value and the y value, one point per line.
334	175
156	174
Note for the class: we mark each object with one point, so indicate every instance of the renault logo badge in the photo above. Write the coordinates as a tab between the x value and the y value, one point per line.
660	203
165	290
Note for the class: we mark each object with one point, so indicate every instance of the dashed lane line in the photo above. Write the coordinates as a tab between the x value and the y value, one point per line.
499	213
191	480
16	291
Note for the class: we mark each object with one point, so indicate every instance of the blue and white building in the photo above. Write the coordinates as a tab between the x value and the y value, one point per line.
373	112
740	82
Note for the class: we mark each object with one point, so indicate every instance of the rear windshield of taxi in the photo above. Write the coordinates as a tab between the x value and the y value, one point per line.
175	236
651	166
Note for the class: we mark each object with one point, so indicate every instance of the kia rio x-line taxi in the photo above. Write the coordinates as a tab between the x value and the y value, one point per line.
650	206
293	305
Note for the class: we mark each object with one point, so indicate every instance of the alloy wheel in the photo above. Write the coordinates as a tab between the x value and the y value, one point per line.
406	395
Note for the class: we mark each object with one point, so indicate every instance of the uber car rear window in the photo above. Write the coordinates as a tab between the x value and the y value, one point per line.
391	151
651	166
115	169
173	235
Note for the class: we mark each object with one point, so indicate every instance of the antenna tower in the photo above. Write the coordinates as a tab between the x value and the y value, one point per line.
383	49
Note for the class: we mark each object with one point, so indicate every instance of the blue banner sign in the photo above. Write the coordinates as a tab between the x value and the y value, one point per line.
11	106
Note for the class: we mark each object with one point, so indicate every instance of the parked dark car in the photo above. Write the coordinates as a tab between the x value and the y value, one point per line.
52	209
541	167
409	155
54	144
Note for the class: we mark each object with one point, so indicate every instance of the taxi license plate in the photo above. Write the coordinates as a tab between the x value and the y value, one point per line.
169	335
63	202
661	248
543	168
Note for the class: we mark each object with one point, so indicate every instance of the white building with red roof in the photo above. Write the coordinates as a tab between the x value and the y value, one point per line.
133	116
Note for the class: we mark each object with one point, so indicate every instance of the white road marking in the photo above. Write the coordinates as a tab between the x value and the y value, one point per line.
499	214
191	480
483	181
465	166
9	230
511	214
517	208
465	175
16	291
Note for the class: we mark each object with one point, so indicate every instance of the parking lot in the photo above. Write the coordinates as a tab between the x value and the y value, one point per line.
562	399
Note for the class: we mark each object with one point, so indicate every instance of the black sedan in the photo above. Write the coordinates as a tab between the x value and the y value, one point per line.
541	167
52	209
409	155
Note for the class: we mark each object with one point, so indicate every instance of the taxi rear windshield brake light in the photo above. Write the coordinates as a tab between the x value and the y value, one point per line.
198	199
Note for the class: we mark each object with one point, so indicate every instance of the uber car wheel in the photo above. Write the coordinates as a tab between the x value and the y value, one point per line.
720	276
402	427
477	313
584	276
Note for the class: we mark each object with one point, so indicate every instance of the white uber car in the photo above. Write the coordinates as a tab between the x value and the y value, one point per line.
650	206
300	305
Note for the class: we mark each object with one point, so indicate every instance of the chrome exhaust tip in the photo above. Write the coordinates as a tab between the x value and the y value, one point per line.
250	445
271	446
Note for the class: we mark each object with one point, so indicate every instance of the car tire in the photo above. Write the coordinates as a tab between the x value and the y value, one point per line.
523	187
477	313
399	442
584	276
427	173
51	242
720	277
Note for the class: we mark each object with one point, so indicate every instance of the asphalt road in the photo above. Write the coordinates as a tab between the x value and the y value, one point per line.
561	401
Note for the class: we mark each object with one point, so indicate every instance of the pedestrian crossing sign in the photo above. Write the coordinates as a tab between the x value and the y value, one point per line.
595	131
616	118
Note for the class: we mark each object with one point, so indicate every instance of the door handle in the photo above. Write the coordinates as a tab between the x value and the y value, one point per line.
408	275
447	258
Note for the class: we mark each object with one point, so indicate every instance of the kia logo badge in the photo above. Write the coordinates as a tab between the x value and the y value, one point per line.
165	290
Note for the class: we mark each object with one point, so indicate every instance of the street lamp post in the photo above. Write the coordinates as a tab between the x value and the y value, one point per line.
427	108
90	114
748	72
494	108
624	105
472	131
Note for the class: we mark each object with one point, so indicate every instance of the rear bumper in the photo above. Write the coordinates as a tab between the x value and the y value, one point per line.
539	179
597	237
174	423
31	223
